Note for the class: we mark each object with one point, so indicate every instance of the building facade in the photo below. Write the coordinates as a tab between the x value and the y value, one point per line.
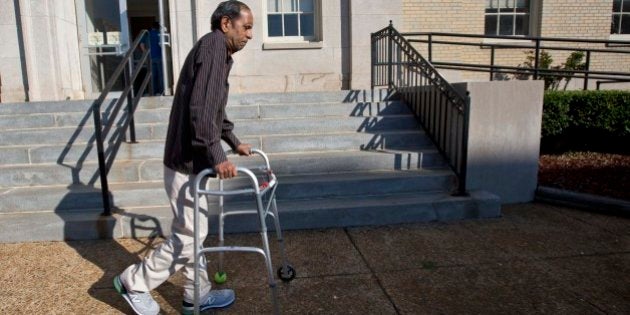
65	49
592	19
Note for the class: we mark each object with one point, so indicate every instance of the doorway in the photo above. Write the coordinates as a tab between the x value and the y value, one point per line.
145	15
108	28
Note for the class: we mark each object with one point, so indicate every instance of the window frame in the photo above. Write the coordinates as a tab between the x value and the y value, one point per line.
532	18
620	13
303	41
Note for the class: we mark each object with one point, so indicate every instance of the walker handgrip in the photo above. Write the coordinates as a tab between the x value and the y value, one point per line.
244	170
253	151
252	177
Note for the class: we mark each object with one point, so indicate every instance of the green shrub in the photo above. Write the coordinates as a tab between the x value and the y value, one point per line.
588	119
552	78
607	112
556	117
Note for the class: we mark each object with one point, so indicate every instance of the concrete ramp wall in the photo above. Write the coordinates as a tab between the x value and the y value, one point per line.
504	138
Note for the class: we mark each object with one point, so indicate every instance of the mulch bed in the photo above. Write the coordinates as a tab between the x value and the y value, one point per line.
600	174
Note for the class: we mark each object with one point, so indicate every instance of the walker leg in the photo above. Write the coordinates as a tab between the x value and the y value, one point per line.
272	280
276	220
265	241
220	276
196	284
196	247
221	239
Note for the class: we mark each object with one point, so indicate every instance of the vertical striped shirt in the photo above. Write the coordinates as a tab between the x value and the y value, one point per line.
198	121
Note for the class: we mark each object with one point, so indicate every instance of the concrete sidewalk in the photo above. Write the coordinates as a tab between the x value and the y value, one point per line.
536	259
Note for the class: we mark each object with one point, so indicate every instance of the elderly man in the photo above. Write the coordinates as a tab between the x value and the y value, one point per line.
197	124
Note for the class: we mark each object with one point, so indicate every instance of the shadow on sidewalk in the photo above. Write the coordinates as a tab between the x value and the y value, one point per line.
81	207
111	256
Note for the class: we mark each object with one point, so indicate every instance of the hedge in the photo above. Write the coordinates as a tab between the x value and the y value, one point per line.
597	111
586	120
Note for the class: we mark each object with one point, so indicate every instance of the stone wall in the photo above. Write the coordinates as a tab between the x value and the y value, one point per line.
40	51
182	33
260	69
339	60
12	85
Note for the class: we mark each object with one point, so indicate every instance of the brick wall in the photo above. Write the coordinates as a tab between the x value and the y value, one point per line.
586	19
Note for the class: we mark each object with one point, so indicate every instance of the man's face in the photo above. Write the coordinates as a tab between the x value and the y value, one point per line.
238	31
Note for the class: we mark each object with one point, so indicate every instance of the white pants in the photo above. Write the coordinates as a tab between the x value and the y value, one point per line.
177	251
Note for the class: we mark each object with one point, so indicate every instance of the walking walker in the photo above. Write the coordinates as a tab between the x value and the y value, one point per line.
264	194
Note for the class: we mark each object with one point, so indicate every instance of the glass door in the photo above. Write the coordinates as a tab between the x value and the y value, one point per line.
105	39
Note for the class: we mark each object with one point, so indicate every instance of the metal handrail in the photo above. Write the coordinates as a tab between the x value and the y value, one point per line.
533	38
440	108
102	131
534	43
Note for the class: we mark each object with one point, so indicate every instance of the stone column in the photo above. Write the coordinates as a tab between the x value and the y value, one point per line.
50	49
182	31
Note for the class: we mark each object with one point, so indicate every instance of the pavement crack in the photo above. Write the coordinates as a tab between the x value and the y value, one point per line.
590	223
584	255
372	272
580	297
333	275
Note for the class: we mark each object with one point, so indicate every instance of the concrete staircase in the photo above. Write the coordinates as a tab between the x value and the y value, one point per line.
343	158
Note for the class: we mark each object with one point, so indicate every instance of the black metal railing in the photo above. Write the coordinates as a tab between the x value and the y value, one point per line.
440	108
588	47
130	72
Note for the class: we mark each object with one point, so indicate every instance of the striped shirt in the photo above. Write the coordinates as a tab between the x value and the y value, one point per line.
198	121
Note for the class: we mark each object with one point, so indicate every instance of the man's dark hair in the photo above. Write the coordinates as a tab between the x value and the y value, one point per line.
231	9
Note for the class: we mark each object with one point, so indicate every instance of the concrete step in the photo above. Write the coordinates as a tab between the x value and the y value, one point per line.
365	211
124	171
326	162
345	96
315	125
294	214
83	106
244	128
151	194
329	109
395	140
45	107
71	135
235	112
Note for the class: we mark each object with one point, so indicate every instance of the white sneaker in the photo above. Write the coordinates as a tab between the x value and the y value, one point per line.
141	302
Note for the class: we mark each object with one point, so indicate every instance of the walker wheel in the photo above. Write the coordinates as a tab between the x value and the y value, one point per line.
290	274
220	277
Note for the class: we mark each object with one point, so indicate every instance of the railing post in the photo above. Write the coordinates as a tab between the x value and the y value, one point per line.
461	187
492	63
430	48
537	59
150	68
125	67
130	98
390	56
587	68
373	60
96	111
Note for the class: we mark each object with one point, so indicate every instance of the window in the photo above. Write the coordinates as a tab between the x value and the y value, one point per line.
620	17
508	17
291	18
